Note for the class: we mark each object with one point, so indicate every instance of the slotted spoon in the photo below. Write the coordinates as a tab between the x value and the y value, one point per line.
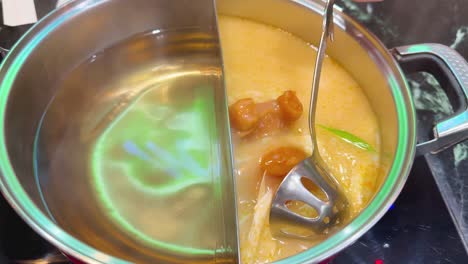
330	210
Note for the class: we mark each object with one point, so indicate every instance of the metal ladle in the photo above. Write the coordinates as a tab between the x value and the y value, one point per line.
331	210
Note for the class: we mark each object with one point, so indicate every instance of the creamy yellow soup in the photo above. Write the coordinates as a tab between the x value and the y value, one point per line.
261	62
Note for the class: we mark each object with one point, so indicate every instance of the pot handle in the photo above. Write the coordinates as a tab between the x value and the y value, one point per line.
451	71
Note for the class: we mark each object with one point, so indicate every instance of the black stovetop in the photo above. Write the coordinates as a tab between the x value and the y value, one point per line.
418	228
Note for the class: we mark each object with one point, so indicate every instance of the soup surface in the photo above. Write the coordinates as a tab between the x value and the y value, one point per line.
261	64
127	155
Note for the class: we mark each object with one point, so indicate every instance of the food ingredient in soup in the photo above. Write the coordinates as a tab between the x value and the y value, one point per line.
280	161
267	69
350	138
263	119
243	114
290	106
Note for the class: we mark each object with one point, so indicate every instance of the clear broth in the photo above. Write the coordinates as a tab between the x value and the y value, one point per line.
127	155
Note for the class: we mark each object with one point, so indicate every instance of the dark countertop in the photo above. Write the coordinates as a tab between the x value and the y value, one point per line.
416	229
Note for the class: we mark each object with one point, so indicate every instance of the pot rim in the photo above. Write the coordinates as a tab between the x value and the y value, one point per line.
391	188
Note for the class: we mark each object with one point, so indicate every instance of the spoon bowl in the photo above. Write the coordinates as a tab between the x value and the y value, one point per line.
331	211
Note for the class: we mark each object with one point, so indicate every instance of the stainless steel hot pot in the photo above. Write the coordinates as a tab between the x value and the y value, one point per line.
82	28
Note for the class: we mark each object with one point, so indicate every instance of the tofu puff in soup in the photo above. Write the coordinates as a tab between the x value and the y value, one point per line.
268	74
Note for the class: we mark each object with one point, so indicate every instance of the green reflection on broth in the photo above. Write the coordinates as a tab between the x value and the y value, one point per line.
161	151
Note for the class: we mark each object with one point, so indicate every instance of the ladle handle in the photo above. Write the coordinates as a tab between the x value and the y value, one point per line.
327	32
451	71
